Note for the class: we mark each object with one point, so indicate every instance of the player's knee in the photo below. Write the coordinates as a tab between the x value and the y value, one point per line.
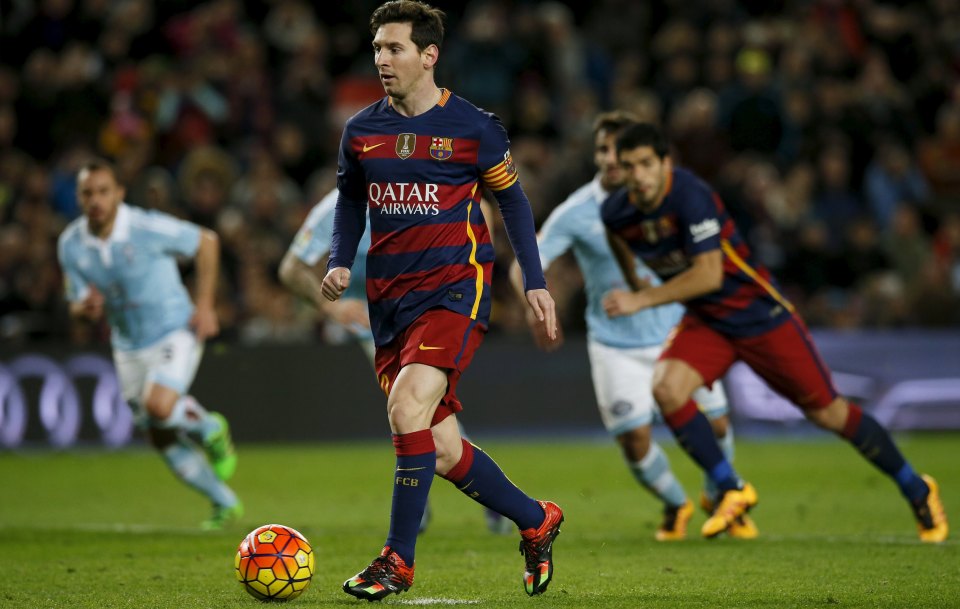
406	414
161	438
635	443
158	408
669	395
833	417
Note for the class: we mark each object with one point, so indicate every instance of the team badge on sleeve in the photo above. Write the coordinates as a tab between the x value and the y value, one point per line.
441	148
406	144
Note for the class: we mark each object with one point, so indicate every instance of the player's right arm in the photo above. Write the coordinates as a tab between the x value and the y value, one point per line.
85	301
349	220
626	261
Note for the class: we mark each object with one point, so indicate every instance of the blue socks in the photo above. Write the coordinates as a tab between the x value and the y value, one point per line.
694	433
875	444
480	478
416	464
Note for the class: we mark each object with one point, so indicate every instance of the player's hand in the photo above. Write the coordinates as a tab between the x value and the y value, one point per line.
91	307
543	308
617	303
349	312
539	331
204	322
336	281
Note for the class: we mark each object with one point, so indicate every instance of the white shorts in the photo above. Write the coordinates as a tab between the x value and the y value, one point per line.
172	362
622	380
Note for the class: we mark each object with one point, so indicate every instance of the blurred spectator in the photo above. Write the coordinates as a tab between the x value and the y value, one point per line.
803	115
835	202
940	155
892	178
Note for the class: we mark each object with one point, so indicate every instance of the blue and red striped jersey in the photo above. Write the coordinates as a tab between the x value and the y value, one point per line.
422	178
692	220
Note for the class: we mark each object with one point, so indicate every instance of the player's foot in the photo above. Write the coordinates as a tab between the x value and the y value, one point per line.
536	545
743	527
223	516
387	574
497	523
733	504
220	450
931	517
675	519
424	520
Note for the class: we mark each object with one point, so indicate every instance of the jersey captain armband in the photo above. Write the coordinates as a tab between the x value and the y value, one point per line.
502	175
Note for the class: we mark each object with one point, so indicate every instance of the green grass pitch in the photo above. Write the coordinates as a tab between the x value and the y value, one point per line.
92	529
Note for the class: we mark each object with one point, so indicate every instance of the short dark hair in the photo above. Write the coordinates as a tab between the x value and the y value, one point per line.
99	164
643	134
426	21
613	122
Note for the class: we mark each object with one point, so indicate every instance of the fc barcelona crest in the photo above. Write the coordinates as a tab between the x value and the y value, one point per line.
441	148
406	144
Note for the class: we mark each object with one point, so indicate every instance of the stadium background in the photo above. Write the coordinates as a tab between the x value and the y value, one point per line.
831	128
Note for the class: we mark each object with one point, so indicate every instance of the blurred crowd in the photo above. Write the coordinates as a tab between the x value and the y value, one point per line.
830	128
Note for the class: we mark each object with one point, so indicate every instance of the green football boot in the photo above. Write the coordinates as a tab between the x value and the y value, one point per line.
219	449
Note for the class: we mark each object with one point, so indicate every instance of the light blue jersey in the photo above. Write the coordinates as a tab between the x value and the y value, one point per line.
576	224
135	269
313	243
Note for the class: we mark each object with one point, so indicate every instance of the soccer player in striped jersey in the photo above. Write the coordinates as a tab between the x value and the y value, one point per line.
419	159
121	261
298	272
679	227
623	350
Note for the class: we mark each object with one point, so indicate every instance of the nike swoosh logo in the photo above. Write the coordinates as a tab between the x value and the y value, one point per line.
423	347
369	148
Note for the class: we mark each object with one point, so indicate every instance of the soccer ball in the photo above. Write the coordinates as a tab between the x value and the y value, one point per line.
274	562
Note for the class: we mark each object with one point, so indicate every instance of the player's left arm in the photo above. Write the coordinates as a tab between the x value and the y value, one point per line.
204	321
704	275
500	177
700	226
626	261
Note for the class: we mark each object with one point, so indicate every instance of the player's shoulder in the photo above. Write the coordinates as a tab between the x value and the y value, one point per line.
470	113
685	182
614	205
373	112
146	222
582	201
72	233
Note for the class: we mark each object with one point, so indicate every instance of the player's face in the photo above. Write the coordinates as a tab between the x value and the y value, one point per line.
99	196
646	176
399	62
605	158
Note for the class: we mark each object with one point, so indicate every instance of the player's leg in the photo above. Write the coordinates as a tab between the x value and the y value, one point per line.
172	364
181	455
790	363
479	477
695	356
177	358
713	403
622	384
412	398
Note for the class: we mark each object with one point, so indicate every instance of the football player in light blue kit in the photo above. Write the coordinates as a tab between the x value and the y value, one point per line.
299	272
121	261
623	350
